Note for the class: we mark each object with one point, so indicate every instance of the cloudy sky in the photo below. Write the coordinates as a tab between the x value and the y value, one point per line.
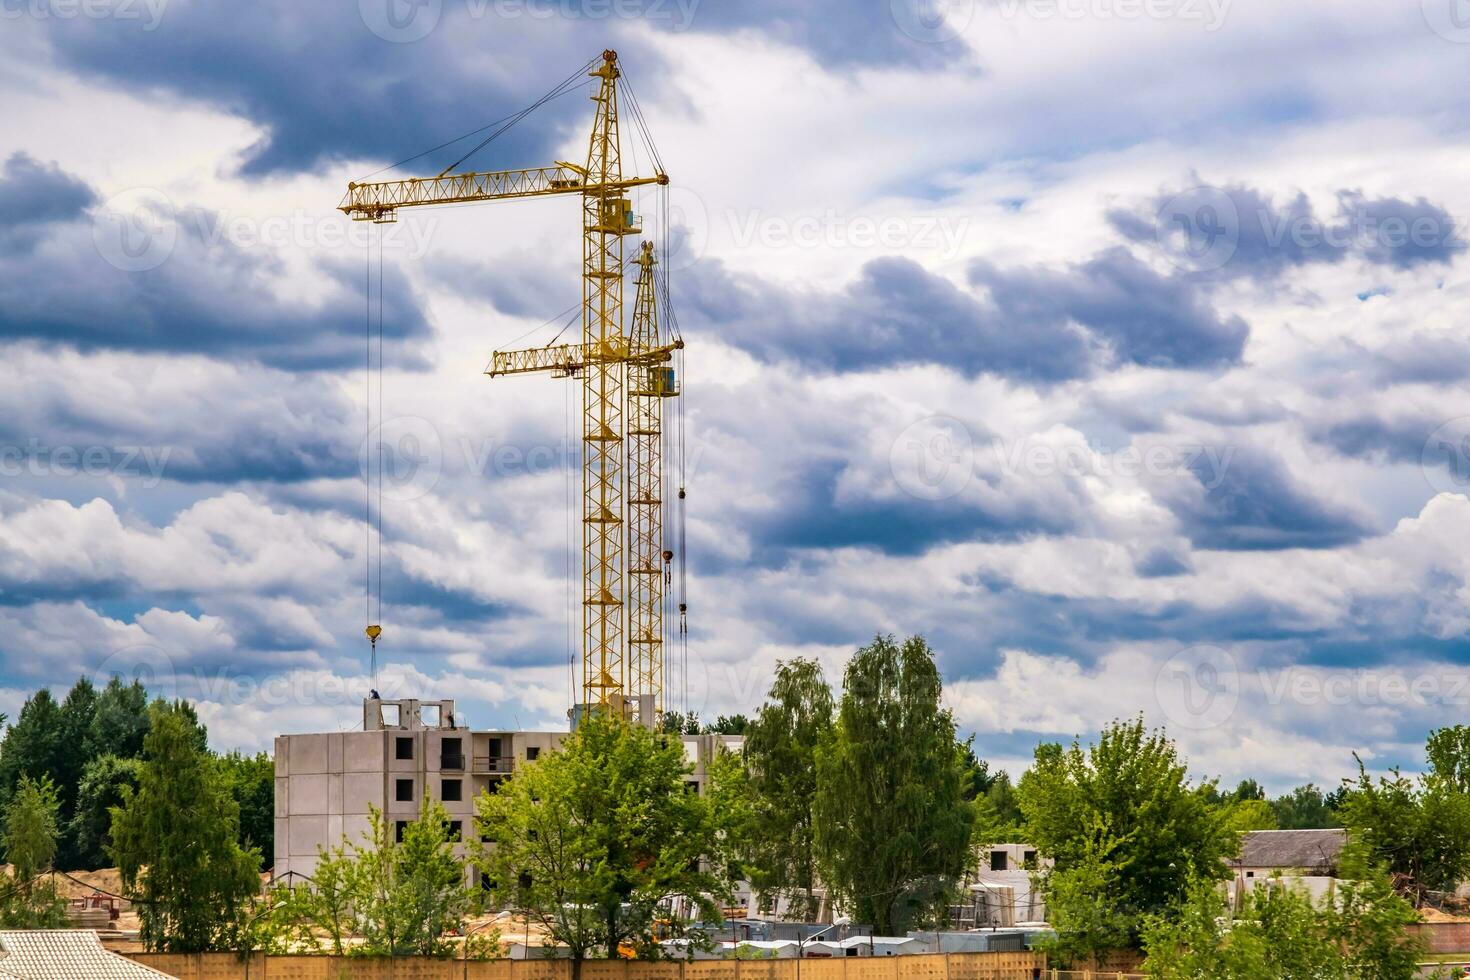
1114	345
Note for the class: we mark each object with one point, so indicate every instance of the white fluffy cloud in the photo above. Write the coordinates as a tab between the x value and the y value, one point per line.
1279	498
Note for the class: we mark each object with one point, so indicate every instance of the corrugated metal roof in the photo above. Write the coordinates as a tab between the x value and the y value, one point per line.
1310	849
65	954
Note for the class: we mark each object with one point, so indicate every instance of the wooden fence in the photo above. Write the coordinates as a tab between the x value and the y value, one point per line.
941	966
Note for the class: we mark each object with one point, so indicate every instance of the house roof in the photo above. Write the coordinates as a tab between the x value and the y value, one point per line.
1291	848
65	954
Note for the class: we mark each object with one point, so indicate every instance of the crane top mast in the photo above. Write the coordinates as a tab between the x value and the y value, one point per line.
625	377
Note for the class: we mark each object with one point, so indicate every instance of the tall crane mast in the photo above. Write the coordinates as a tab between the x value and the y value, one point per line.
625	376
649	383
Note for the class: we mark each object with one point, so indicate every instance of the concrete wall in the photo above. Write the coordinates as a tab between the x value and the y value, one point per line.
1445	937
952	966
326	783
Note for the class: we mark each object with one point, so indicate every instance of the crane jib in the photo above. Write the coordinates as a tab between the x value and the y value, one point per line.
370	201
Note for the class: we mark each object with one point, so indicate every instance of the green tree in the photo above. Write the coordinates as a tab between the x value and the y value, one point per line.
32	826
1417	828
978	777
31	831
1243	815
998	817
892	824
1372	922
281	922
593	840
120	719
1448	750
407	893
176	841
781	758
252	780
433	880
328	912
1281	933
402	891
77	712
1082	904
679	723
727	725
34	745
1248	789
1304	808
103	786
1131	792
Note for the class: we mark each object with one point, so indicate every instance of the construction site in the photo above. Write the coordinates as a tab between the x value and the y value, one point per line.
1073	597
626	367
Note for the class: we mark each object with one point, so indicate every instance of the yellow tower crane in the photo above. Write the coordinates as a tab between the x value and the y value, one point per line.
625	376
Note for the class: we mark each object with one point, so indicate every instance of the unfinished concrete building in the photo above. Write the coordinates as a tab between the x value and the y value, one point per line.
325	783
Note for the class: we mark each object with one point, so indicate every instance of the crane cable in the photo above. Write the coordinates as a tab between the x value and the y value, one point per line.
567	84
512	119
372	446
568	510
663	292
